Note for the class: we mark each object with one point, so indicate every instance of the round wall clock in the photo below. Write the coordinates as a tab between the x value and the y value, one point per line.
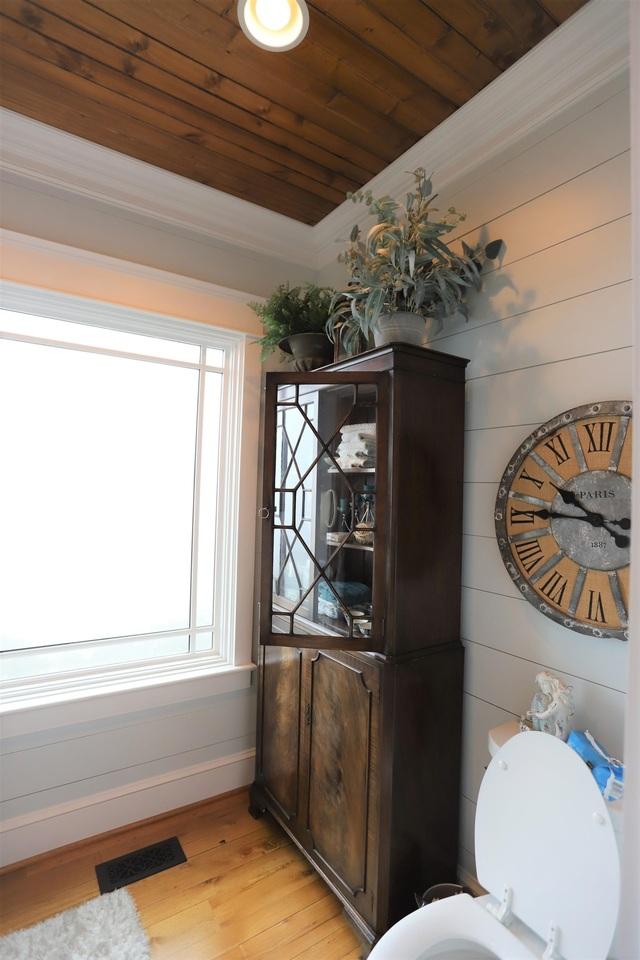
563	518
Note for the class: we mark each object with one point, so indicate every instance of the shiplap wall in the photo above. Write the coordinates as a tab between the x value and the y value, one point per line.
551	330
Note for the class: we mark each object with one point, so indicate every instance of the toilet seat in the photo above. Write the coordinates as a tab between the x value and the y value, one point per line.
546	847
424	934
546	852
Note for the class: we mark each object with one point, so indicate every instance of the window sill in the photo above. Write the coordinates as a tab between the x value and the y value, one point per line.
40	705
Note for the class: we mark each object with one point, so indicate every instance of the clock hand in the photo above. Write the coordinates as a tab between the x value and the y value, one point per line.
572	500
620	539
595	520
551	515
625	523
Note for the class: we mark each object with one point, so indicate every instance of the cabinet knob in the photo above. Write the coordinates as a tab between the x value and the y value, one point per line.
264	513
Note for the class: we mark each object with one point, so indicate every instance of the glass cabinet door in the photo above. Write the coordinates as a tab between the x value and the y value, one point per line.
325	480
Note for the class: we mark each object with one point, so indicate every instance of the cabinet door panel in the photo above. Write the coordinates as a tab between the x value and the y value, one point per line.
324	506
338	762
280	755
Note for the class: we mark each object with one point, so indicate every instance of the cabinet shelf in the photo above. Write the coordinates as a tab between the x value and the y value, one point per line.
352	470
368	548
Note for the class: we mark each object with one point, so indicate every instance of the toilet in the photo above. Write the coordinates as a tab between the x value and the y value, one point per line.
547	854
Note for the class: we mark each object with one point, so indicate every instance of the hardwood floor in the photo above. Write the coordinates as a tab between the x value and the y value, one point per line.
245	892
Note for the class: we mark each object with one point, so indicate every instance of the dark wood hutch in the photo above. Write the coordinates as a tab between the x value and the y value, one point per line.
360	661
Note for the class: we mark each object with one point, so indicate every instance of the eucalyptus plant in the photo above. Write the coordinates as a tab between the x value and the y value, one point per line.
404	264
291	310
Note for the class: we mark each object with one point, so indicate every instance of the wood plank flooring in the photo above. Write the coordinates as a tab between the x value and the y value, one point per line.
245	892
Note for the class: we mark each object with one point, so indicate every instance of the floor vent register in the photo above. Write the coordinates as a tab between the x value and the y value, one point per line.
121	871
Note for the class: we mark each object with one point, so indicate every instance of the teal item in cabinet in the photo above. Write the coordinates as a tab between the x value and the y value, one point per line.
350	592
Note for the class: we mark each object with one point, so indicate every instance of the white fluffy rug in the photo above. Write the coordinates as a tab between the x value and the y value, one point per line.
107	928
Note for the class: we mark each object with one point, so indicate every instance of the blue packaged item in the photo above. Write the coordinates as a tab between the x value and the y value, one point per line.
350	592
608	772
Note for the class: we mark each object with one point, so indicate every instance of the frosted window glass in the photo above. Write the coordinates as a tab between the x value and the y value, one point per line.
67	331
204	641
208	498
214	357
96	495
37	663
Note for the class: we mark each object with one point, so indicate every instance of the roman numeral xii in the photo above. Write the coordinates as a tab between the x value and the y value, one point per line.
599	435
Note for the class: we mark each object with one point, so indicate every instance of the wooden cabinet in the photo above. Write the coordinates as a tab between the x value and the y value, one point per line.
281	683
360	660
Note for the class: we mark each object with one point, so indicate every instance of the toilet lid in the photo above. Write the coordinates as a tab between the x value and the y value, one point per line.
543	831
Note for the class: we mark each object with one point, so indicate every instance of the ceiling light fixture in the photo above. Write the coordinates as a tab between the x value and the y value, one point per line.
276	25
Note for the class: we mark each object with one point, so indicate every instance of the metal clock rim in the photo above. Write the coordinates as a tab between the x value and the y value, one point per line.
620	408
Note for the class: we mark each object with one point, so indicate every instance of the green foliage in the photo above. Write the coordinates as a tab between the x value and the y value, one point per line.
292	310
404	264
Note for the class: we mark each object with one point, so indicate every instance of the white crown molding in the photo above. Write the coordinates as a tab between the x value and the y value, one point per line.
23	241
41	153
588	51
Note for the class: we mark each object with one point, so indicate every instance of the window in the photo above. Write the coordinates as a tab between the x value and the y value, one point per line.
118	490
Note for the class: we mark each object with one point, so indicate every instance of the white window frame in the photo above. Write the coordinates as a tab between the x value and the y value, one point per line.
234	546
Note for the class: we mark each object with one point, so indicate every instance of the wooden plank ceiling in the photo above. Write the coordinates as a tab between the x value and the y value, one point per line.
176	83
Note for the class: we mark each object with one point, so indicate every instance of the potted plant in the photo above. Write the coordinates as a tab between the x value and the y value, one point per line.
403	273
295	319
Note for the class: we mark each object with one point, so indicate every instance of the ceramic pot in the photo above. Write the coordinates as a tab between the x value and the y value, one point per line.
309	350
400	327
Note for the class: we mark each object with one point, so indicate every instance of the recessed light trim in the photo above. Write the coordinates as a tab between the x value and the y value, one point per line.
275	25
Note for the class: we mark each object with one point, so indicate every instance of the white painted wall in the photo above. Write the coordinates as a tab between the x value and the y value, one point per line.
629	926
45	211
62	784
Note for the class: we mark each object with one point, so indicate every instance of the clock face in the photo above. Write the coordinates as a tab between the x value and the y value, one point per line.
563	518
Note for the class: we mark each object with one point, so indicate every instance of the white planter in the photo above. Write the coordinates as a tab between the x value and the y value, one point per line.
400	327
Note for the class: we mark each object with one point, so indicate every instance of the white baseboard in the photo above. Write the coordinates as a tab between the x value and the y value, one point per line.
42	830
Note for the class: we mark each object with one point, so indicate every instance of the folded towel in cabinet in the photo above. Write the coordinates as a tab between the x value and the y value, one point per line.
364	429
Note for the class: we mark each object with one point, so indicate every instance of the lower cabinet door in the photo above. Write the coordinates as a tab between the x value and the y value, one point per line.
339	772
280	728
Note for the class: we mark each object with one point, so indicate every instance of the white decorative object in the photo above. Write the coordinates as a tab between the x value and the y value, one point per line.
107	927
357	447
337	536
552	706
